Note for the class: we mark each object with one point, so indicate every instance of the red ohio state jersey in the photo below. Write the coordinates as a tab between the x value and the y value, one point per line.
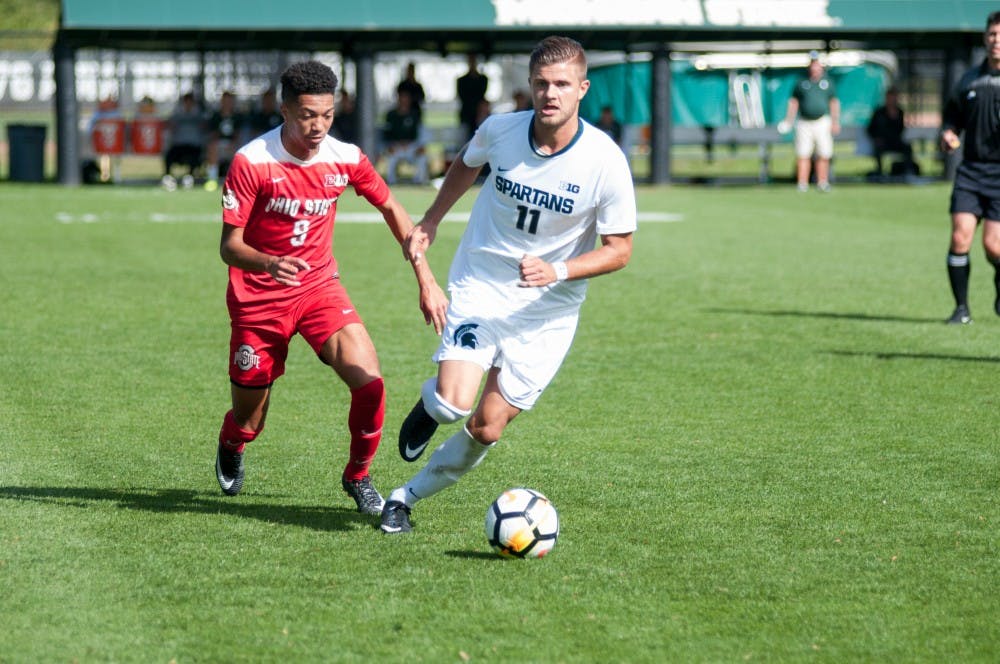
286	207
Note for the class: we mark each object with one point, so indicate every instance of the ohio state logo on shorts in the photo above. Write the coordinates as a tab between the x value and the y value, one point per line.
246	358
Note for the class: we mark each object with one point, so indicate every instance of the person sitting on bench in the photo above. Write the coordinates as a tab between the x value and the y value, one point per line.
886	129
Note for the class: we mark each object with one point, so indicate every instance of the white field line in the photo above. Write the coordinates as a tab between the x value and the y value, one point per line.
342	217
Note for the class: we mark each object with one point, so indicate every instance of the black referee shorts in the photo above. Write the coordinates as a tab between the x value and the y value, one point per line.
977	190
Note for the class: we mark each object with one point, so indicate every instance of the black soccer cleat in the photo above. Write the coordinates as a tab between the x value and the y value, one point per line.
396	518
364	494
960	316
229	470
416	431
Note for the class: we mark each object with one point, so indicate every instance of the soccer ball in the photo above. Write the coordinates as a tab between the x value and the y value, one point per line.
522	523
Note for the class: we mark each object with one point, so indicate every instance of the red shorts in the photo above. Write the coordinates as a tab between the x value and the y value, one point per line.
258	345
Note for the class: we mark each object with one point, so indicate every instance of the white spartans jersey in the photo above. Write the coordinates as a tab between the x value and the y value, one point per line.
550	206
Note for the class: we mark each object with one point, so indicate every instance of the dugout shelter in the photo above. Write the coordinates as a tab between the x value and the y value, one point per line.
361	28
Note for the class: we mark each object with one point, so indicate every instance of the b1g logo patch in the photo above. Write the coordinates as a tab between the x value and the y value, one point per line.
246	358
336	180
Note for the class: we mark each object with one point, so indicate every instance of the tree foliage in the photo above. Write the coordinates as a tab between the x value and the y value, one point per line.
28	24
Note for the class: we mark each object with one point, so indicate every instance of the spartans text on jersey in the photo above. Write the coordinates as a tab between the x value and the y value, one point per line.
538	197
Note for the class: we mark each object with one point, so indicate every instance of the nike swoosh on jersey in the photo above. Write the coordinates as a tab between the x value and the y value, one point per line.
277	180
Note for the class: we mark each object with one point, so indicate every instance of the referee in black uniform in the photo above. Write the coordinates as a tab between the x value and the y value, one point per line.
974	108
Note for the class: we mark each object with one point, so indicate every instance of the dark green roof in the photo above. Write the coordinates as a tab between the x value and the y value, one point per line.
486	25
267	15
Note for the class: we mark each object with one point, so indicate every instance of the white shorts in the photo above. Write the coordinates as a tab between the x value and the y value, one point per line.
528	351
814	136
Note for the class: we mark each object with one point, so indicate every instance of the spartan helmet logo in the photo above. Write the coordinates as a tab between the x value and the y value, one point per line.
465	335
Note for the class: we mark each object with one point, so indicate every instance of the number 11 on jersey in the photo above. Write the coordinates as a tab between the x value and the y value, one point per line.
522	214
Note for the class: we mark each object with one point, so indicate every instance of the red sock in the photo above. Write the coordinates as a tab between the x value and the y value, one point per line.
365	423
233	437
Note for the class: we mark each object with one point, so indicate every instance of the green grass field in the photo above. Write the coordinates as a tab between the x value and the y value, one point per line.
764	446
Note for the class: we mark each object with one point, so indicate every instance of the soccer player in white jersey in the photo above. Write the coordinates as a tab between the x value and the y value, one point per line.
279	203
557	208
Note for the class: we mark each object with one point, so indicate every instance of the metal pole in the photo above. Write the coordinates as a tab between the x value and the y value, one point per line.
661	120
366	106
67	114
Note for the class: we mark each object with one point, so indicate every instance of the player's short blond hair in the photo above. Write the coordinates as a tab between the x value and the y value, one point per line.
554	50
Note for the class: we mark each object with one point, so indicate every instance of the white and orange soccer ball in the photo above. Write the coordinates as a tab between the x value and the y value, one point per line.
522	523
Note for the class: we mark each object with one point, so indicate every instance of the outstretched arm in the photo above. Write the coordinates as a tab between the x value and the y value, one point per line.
433	301
457	181
613	254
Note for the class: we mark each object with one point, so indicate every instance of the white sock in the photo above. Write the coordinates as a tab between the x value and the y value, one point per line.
452	459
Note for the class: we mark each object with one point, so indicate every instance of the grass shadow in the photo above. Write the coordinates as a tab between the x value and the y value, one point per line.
189	501
915	356
836	315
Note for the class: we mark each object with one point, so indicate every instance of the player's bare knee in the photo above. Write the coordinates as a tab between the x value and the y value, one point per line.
455	397
991	245
439	408
961	242
484	431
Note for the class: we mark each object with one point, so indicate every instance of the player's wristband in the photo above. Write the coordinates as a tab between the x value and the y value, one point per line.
562	272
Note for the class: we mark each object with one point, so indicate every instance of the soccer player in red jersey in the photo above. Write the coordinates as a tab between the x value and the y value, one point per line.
279	202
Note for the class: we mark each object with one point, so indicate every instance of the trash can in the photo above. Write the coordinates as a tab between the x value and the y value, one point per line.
27	152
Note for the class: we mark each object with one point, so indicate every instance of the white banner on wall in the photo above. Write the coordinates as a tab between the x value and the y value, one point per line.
27	78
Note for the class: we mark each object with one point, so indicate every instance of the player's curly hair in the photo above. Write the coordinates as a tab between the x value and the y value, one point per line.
553	50
308	77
